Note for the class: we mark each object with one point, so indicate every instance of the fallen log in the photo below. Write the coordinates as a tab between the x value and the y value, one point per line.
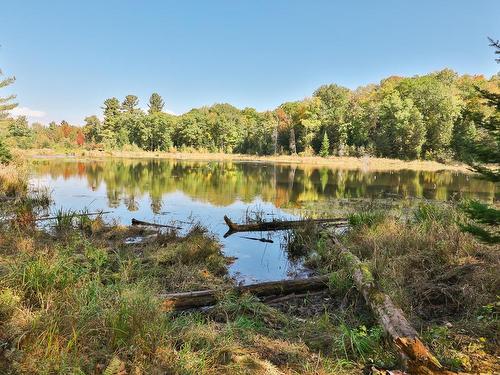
145	223
276	225
189	300
73	214
416	356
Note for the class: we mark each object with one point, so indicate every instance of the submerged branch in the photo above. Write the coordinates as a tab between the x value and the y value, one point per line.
145	223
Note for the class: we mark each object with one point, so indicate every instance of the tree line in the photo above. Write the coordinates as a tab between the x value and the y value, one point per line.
436	116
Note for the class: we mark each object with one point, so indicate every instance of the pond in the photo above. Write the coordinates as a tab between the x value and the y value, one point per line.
182	192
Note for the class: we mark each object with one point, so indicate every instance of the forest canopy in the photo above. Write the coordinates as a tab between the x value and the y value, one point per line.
435	116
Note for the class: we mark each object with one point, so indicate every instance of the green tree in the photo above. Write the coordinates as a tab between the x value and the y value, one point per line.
156	103
333	114
92	129
226	126
111	108
486	220
193	130
401	132
325	146
111	125
6	105
130	103
161	127
436	99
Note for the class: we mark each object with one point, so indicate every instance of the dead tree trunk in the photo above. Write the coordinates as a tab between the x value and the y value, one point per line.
416	355
188	300
276	225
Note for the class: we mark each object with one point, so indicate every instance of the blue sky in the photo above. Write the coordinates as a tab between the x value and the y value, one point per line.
68	56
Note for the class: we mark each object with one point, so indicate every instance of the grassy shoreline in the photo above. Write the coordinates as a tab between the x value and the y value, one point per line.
81	299
363	163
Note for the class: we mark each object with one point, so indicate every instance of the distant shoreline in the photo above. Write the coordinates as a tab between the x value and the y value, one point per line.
340	162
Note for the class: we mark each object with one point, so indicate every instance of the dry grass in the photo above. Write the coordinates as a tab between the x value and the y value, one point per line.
13	180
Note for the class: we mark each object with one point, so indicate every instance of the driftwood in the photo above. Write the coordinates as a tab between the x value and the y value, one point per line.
188	300
145	223
415	354
276	225
74	214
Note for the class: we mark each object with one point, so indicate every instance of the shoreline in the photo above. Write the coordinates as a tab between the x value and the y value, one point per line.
339	162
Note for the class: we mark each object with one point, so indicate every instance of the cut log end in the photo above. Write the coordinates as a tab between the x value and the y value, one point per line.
419	357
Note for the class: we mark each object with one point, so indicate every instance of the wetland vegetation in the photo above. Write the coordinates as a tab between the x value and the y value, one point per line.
408	271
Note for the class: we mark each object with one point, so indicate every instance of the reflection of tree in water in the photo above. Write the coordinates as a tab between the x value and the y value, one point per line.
222	183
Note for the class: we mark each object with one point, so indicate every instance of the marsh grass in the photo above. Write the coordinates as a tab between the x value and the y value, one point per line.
432	269
13	180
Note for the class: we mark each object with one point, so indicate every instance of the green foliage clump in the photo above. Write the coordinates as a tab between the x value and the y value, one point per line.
485	223
366	218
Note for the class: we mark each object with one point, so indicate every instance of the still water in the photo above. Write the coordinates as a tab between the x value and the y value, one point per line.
181	192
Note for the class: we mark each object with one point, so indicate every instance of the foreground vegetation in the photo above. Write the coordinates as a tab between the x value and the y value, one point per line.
84	296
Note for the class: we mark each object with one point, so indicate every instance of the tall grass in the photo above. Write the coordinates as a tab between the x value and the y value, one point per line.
13	180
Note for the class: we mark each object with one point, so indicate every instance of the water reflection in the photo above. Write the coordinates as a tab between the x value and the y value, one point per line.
222	183
185	191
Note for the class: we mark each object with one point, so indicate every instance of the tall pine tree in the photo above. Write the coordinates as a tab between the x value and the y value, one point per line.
130	104
156	103
325	146
485	223
6	105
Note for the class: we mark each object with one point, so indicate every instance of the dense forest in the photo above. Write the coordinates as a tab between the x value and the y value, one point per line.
437	116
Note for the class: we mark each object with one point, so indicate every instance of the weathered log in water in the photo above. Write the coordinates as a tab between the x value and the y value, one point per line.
277	225
417	357
188	300
148	224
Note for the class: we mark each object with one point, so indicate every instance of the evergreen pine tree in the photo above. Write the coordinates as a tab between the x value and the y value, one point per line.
156	103
5	106
130	104
325	146
486	220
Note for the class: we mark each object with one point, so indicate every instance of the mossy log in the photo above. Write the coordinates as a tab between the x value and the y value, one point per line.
277	225
416	356
189	300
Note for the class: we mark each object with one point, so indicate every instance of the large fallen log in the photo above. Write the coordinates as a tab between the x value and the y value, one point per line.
276	225
188	300
417	357
148	224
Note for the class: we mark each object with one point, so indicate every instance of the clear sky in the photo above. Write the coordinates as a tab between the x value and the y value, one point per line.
68	56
